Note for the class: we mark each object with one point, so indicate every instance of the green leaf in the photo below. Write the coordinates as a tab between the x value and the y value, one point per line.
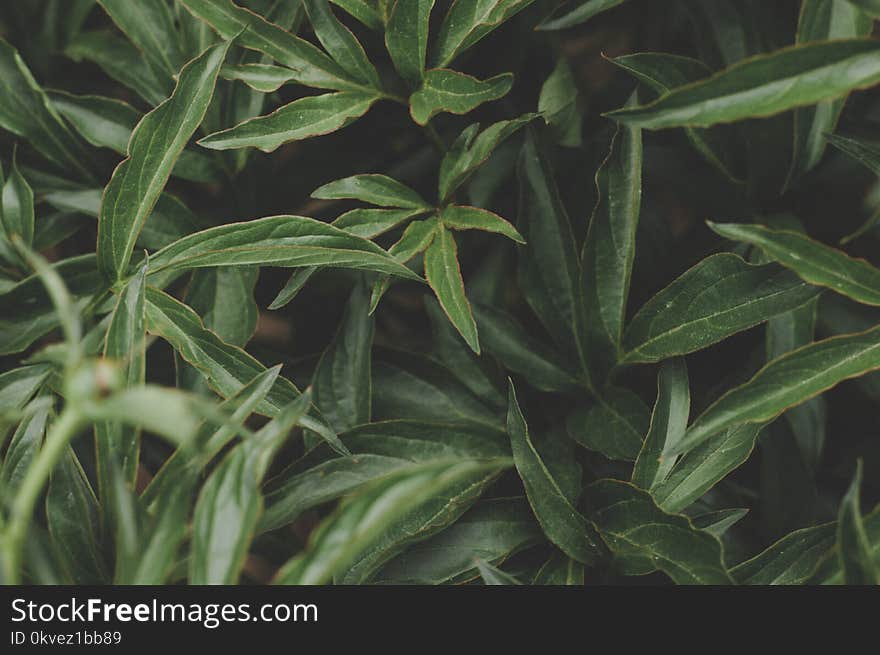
25	110
853	547
492	575
226	368
584	11
360	522
150	26
718	522
311	66
18	207
121	61
341	44
452	351
788	381
444	277
720	296
264	78
614	425
462	217
287	241
558	104
814	262
445	90
342	382
764	85
108	123
609	251
72	516
365	11
822	20
212	292
23	448
789	561
468	21
374	189
560	570
370	222
559	520
18	386
490	531
210	440
642	536
504	338
406	37
230	503
549	268
864	151
406	385
472	150
295	284
115	444
702	468
668	424
301	119
872	7
379	449
663	72
155	145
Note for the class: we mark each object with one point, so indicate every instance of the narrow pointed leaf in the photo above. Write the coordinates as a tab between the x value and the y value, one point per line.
468	21
853	547
311	65
472	150
353	529
814	262
406	37
371	222
18	206
379	190
301	119
720	296
581	13
702	468
788	381
462	217
559	520
609	251
288	241
341	44
366	11
789	561
642	536
820	20
668	424
150	26
155	145
492	575
444	277
764	85
26	111
265	78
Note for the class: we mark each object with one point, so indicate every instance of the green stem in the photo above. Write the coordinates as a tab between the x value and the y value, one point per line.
60	434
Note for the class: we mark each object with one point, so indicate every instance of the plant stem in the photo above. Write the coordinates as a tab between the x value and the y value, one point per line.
60	434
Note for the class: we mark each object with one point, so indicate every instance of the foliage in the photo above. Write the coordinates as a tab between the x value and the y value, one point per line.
435	291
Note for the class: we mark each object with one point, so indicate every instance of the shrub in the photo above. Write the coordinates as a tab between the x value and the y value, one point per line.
370	291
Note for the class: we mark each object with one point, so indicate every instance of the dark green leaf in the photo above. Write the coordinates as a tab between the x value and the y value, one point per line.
583	12
378	190
445	90
155	145
559	520
764	85
614	425
406	37
444	276
720	296
853	547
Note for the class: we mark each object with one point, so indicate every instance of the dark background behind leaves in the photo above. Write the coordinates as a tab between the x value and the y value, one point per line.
680	192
